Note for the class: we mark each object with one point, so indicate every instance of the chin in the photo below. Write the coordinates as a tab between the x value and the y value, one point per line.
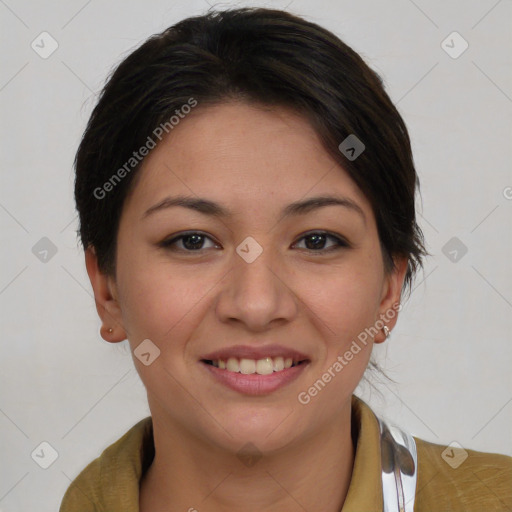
267	428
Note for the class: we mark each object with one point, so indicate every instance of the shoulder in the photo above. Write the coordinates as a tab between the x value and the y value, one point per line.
453	478
118	467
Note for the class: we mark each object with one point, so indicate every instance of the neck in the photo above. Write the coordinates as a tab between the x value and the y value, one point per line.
188	475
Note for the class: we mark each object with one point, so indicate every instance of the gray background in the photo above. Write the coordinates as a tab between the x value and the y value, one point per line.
450	353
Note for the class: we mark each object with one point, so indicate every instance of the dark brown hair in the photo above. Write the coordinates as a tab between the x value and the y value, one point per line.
256	55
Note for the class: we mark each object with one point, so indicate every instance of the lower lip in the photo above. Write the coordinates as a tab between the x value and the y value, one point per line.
255	384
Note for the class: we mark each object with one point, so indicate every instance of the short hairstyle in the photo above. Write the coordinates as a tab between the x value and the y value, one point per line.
260	56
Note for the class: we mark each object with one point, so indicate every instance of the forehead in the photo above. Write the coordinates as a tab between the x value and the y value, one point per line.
245	155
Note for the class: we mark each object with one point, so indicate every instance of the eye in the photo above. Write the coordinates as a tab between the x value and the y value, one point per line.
193	241
190	242
315	241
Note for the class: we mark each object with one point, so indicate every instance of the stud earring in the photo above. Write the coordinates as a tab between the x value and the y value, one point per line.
110	330
387	332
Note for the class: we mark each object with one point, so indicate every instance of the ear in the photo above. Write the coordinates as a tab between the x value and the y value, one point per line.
105	296
390	299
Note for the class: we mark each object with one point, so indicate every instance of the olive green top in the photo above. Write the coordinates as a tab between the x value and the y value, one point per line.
481	483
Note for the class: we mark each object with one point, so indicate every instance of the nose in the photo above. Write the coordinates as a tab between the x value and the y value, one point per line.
257	293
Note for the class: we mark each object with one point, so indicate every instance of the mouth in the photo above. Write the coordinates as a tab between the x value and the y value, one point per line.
251	370
264	366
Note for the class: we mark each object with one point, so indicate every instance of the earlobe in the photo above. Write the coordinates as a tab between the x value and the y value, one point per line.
107	304
390	300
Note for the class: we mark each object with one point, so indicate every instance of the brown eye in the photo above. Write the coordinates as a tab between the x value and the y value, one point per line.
190	242
316	241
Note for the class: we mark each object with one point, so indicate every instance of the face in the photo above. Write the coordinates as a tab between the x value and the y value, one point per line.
246	278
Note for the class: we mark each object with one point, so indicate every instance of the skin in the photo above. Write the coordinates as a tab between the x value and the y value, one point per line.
253	160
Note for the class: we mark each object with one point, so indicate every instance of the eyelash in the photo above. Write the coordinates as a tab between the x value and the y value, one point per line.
340	242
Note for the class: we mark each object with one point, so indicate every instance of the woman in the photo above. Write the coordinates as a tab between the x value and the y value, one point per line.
246	197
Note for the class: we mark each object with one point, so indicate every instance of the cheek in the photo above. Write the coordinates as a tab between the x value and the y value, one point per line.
346	301
343	306
158	302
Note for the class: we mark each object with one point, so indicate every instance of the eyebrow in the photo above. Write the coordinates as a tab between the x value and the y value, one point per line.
207	207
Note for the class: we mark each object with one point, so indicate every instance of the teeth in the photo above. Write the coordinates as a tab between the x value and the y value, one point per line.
278	364
247	366
232	365
264	366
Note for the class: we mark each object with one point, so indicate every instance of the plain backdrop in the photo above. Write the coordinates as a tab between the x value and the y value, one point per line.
451	352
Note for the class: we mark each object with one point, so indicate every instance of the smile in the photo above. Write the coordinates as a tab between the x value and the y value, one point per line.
252	382
264	366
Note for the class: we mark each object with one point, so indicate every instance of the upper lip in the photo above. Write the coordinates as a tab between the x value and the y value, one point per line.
252	352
